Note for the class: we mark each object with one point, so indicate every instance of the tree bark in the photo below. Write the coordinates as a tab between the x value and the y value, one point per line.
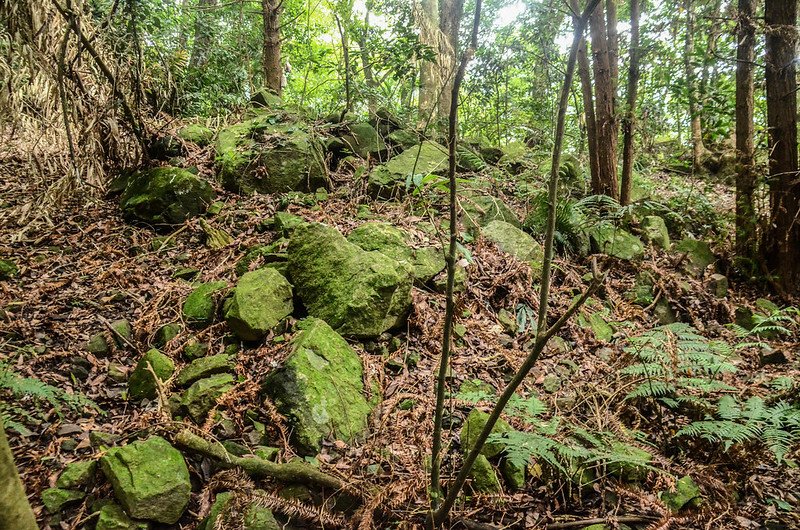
691	86
203	34
450	14
271	58
630	117
604	107
783	237
746	239
369	77
429	72
613	44
15	511
585	75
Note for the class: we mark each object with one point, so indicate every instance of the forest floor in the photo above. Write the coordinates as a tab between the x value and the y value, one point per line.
91	267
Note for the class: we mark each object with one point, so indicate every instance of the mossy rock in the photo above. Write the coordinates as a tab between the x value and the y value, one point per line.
196	133
113	517
320	387
54	499
260	301
150	479
8	269
270	153
202	396
517	243
596	322
122	332
98	344
513	474
166	333
285	223
612	241
643	289
404	138
255	516
258	255
77	474
363	140
201	305
389	180
204	367
480	210
472	428
484	478
358	293
654	232
698	255
142	384
165	195
686	495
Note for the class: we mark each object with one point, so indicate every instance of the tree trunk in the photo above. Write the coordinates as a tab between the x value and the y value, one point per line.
15	511
369	76
746	241
271	59
783	237
691	86
630	118
613	44
203	33
450	14
584	72
604	107
429	72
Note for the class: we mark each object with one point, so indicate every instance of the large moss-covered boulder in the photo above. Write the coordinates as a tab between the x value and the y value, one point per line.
202	396
480	210
363	140
514	241
142	384
359	293
150	479
255	516
270	153
654	231
320	388
262	298
698	255
393	242
389	180
196	133
165	195
613	241
201	305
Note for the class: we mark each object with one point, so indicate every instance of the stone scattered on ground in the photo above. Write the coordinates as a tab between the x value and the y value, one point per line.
654	232
165	195
320	387
260	301
54	499
698	255
113	517
77	474
517	243
358	293
201	305
255	517
204	367
142	383
686	494
202	396
150	479
389	180
614	241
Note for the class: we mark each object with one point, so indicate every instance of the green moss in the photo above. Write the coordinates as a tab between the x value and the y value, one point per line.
363	140
268	155
77	474
261	299
166	333
54	499
142	384
389	179
686	494
698	255
196	133
484	478
613	241
98	344
113	517
202	396
472	428
8	269
204	367
514	241
320	387
359	293
200	306
122	331
255	517
480	210
150	479
654	231
165	195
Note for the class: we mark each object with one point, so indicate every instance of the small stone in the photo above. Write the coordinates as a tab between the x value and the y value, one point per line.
686	493
117	372
255	517
698	256
77	474
260	301
551	384
54	499
472	429
142	384
150	479
194	350
718	284
99	439
654	231
98	345
484	477
185	273
166	333
267	453
202	396
513	474
122	332
517	243
613	241
113	517
204	367
201	305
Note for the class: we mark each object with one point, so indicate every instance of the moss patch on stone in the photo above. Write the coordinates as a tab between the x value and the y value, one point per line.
165	195
261	299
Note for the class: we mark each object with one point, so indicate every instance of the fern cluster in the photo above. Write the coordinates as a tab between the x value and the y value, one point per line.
31	391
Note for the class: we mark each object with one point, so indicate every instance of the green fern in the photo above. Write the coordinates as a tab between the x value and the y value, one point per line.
770	322
675	365
26	390
570	222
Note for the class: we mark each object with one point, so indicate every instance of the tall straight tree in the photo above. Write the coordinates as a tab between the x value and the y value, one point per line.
271	51
605	112
783	236
585	75
698	149
430	77
450	14
628	123
746	238
203	33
